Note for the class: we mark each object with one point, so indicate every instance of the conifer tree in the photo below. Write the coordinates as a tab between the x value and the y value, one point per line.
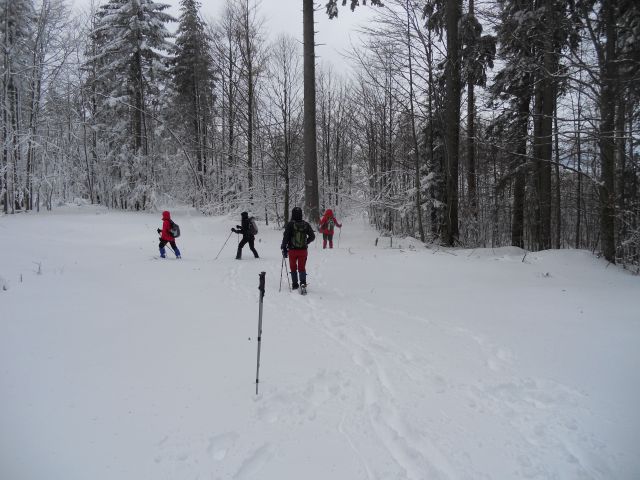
130	66
193	80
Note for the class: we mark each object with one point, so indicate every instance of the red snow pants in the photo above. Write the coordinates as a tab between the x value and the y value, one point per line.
298	260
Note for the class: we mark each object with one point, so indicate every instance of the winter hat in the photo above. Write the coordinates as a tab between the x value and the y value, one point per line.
166	215
296	214
244	214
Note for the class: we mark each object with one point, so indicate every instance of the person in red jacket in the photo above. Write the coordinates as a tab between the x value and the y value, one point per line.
166	237
326	227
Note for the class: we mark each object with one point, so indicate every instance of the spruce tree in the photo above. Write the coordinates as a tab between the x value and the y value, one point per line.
193	81
130	66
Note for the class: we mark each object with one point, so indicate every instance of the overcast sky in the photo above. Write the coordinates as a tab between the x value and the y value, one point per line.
334	36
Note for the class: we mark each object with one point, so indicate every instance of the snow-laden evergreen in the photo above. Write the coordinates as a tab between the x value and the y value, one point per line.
130	74
403	362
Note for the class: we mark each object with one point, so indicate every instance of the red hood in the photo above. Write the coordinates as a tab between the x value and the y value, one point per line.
166	215
327	215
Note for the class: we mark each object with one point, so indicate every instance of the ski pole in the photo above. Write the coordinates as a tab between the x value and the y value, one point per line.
225	243
281	270
261	288
339	233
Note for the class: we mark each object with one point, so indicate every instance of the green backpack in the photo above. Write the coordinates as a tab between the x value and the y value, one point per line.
299	235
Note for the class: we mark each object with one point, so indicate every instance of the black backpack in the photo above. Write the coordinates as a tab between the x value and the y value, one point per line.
174	229
253	228
299	235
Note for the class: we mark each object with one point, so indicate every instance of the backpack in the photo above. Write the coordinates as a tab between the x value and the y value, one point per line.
253	228
174	229
330	224
299	235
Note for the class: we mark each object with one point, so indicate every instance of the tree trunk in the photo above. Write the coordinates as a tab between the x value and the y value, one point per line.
310	153
621	162
558	205
452	119
517	225
607	127
414	135
471	150
250	102
579	168
542	147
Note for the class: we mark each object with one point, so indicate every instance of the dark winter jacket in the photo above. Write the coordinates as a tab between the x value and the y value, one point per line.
166	227
244	228
325	226
296	220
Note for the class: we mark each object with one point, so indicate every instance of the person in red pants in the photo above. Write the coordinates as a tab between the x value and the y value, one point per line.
327	224
298	234
167	237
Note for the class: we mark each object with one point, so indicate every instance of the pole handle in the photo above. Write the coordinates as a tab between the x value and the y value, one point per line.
261	285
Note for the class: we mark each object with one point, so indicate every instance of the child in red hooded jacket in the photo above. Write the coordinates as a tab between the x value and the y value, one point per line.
166	237
327	224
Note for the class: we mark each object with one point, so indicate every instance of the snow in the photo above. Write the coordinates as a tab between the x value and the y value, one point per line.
400	363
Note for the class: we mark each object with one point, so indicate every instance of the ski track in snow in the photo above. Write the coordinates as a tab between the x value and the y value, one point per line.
528	405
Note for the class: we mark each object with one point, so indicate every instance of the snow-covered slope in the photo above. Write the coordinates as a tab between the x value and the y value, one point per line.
401	363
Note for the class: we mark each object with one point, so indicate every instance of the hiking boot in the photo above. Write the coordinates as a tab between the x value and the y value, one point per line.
294	286
239	254
294	280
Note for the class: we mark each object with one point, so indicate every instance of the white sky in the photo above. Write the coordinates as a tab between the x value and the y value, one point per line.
285	16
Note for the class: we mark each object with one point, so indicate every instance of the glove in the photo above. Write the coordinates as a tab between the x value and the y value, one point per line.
159	231
285	254
233	230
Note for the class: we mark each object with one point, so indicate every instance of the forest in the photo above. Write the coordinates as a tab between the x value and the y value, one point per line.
475	123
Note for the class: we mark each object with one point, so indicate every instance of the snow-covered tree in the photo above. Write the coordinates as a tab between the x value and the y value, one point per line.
130	66
193	83
16	20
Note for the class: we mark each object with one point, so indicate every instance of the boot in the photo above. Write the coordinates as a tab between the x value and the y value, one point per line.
239	254
294	280
177	252
163	253
324	243
303	279
330	243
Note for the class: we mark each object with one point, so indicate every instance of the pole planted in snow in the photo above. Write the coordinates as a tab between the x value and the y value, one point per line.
224	245
261	288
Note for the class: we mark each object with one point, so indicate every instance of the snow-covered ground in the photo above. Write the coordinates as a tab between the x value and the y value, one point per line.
402	363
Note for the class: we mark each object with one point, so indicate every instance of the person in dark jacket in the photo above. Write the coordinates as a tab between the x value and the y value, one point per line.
326	227
247	236
166	237
297	235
